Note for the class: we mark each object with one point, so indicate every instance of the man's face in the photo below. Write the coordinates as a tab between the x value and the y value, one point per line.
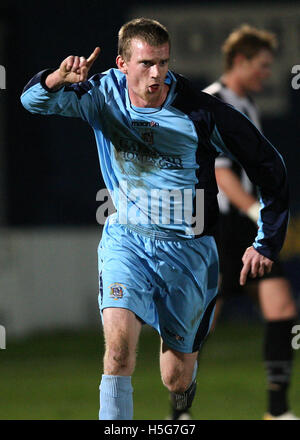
146	72
254	71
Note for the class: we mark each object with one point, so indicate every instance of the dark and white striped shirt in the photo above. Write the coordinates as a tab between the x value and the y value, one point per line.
245	105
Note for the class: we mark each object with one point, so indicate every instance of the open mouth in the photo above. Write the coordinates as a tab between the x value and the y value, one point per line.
154	88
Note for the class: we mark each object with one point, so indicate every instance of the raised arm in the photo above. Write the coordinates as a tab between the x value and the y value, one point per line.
64	91
73	69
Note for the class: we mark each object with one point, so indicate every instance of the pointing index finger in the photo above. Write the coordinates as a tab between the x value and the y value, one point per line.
93	57
244	273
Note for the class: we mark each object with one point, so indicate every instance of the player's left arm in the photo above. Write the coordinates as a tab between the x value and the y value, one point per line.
236	136
254	264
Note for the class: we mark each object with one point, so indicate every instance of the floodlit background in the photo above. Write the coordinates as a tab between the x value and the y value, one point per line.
49	178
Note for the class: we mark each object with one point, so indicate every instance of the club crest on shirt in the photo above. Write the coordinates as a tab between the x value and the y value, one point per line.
116	291
147	137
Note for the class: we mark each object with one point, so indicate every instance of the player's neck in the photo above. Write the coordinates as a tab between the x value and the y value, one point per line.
232	82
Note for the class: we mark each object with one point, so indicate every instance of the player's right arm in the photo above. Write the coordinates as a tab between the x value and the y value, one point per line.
64	91
72	70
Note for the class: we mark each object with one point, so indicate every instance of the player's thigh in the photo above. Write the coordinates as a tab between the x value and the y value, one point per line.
126	278
186	303
276	299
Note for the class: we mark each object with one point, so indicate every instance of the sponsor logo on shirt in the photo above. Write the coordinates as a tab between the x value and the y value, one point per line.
145	124
133	151
162	162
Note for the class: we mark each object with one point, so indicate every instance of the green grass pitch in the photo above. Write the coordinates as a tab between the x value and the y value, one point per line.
56	376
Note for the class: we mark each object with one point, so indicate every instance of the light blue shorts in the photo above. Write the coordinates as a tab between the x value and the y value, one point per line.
170	284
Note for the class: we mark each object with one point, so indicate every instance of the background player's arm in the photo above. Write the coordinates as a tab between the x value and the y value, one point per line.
231	185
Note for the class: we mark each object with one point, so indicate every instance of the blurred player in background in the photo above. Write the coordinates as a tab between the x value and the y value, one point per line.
248	54
155	132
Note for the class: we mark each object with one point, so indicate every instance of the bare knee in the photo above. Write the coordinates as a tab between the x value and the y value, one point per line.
121	331
276	299
176	379
176	368
118	358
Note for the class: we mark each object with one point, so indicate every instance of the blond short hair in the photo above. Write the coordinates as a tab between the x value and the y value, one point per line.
146	29
248	41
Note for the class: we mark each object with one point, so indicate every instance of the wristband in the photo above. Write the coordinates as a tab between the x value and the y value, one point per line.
253	211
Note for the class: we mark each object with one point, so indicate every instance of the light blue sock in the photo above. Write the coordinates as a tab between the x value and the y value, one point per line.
116	401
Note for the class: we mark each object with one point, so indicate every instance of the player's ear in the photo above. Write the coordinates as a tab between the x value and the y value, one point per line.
121	63
240	60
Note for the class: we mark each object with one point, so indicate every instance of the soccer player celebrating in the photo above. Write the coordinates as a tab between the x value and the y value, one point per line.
157	140
248	55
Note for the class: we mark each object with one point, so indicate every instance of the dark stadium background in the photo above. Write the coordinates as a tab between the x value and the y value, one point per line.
52	171
52	163
50	176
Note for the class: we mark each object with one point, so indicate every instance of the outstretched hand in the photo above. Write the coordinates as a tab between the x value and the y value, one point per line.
255	264
73	69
